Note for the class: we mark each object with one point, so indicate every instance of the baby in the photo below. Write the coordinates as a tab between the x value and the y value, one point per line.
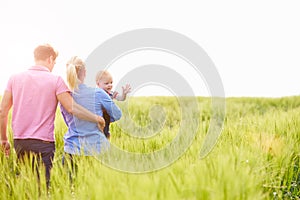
104	80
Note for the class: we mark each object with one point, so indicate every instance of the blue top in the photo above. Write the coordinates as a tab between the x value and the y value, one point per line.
84	137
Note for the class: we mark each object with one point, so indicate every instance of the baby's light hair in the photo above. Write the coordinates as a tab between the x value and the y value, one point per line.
101	74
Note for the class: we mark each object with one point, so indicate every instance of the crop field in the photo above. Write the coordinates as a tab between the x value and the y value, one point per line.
256	156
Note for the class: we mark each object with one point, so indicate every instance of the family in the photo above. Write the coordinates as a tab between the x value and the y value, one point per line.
87	111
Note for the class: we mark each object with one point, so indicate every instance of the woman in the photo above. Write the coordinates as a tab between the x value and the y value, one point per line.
84	137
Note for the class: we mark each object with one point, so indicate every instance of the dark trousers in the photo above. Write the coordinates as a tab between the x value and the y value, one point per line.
39	150
107	123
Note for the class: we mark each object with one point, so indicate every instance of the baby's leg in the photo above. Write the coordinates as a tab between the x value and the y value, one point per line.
107	122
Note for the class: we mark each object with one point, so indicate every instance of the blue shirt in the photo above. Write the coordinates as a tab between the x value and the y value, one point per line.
84	137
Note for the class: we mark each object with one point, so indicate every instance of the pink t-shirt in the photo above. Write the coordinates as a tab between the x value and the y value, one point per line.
34	103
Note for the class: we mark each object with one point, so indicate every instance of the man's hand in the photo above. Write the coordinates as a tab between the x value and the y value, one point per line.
101	123
5	147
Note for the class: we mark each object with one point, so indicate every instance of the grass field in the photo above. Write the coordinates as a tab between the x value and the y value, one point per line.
256	157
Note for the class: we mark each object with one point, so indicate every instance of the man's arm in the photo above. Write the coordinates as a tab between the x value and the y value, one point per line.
77	110
5	106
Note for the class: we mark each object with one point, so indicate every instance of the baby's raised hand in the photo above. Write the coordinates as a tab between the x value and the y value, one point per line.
126	89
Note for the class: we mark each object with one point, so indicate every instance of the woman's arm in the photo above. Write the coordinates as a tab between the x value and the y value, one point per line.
109	105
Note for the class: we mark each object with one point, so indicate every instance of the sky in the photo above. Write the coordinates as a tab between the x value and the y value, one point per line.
254	45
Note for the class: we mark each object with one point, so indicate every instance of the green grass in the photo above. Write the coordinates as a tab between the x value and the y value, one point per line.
256	157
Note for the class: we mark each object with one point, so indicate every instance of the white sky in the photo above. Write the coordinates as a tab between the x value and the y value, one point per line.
254	45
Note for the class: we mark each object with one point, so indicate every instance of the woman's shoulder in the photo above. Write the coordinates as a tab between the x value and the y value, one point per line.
101	92
83	87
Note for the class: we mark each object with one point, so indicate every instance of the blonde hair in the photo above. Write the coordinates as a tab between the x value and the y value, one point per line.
74	67
101	74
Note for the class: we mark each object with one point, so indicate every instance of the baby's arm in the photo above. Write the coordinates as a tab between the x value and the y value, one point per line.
125	90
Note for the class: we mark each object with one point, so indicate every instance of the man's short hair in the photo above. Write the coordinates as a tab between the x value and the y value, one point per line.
42	52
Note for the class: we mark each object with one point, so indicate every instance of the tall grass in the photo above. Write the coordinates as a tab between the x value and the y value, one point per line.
256	157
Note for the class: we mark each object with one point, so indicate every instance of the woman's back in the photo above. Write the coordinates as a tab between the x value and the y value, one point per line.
84	136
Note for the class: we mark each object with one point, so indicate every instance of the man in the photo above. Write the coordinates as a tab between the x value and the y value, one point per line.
34	95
